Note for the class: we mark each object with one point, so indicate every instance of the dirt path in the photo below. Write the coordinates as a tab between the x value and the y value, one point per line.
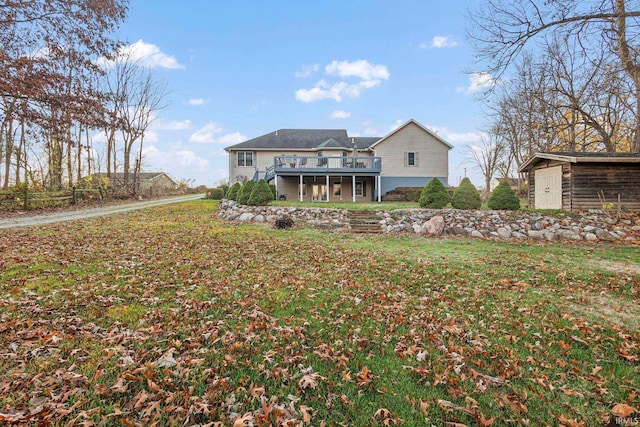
75	215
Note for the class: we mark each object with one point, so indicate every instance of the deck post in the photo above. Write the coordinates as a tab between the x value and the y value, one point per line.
353	187
300	189
379	178
327	189
275	177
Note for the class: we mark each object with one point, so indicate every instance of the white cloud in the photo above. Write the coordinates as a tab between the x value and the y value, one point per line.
176	160
211	133
173	125
340	114
457	138
145	54
307	71
361	69
478	82
440	42
370	76
197	101
231	138
396	125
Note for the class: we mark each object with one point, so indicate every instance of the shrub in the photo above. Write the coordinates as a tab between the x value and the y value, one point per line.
232	193
214	194
245	192
224	187
283	223
466	196
261	194
413	194
503	197
273	190
434	195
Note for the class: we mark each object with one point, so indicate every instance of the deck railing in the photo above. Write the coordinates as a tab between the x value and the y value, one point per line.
285	164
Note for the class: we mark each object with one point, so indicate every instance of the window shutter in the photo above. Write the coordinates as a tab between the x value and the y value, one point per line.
415	159
406	158
364	188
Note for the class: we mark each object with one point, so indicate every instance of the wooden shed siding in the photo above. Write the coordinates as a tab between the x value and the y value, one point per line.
581	183
611	179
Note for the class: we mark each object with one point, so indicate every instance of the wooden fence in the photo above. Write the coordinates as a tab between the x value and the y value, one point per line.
26	199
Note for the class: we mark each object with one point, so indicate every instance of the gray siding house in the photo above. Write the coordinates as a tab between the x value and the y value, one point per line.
329	165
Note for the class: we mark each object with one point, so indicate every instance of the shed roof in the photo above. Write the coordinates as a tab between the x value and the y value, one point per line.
577	157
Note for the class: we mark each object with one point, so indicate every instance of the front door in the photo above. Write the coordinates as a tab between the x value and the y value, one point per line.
548	192
318	193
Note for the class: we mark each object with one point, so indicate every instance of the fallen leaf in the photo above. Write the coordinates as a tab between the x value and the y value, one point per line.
623	410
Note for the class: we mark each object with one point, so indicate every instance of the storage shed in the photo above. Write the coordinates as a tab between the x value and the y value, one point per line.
573	181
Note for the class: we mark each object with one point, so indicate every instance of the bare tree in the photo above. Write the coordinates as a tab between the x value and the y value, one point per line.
487	157
501	29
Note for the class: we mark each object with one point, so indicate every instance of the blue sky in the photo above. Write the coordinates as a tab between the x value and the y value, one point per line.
237	70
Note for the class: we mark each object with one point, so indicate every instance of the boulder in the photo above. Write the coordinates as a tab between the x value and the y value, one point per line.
246	217
434	227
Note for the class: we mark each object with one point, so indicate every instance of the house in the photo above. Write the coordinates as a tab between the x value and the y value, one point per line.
514	183
329	165
150	183
582	181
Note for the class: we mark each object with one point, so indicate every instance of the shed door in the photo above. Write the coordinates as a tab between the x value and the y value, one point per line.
548	184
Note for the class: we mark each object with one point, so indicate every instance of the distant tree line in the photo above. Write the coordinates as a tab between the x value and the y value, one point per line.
63	78
566	77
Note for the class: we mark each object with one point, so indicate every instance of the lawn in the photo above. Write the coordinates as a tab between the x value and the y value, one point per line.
169	316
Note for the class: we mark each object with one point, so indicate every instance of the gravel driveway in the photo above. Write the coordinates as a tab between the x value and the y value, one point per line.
75	215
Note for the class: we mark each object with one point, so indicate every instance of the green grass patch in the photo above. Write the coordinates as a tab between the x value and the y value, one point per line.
167	315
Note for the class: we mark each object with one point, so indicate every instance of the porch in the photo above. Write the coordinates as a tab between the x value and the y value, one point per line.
324	178
328	188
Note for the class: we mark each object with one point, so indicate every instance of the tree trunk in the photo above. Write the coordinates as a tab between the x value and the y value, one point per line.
8	153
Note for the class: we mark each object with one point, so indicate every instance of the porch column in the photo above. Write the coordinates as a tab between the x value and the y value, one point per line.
379	178
300	189
353	187
327	189
275	177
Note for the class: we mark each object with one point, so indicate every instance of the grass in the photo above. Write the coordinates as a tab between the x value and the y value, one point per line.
167	315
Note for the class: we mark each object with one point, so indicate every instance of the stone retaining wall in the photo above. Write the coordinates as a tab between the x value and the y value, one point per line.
320	217
590	226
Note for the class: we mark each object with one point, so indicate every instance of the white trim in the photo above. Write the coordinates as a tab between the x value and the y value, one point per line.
300	189
353	187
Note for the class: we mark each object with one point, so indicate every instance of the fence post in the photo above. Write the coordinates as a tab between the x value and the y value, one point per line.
73	195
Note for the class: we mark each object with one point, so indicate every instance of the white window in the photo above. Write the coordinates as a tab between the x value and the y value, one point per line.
411	158
245	158
337	189
359	188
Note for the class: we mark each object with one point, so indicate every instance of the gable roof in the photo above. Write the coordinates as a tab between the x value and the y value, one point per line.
396	130
576	157
305	139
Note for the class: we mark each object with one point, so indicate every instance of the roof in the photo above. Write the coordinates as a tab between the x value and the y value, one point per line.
577	157
415	122
305	139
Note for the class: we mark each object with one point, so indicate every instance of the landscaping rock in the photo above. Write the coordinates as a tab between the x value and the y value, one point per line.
246	217
434	226
504	233
436	222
